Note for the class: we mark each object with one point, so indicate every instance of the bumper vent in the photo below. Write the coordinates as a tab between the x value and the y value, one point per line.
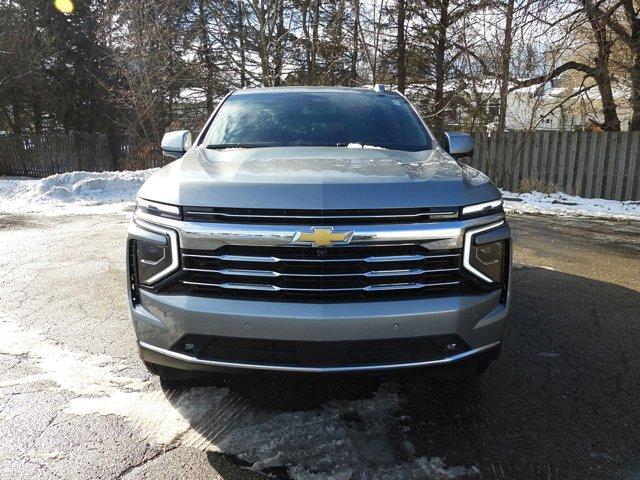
298	273
320	354
318	217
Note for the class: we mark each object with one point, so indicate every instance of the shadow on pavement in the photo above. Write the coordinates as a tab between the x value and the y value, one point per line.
562	402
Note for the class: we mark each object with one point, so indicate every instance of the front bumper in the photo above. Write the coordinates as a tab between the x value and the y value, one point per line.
161	320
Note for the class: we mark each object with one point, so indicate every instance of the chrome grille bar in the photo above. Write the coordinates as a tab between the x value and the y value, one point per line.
446	214
370	259
272	274
275	288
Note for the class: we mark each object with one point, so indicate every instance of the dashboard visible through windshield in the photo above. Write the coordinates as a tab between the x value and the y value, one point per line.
317	119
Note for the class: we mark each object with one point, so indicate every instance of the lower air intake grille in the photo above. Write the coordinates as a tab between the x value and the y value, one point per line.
320	354
318	274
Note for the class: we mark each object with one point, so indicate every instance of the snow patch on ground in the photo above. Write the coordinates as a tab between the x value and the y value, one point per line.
80	373
343	439
567	205
73	192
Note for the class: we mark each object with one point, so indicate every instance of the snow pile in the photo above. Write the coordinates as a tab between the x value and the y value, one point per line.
567	205
345	439
341	440
71	192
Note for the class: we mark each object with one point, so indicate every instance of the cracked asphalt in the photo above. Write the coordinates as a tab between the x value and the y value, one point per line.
562	402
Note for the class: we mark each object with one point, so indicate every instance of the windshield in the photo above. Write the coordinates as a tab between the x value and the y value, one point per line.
317	119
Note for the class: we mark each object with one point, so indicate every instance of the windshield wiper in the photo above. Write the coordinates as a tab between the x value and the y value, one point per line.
222	146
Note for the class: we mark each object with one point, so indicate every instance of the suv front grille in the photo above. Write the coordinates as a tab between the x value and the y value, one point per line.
257	216
320	273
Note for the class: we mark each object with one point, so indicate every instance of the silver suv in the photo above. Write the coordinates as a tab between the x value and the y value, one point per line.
318	230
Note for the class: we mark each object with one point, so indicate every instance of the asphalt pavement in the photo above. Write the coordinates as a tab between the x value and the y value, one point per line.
562	402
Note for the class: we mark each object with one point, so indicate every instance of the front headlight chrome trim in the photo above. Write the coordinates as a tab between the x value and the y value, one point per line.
172	237
160	209
479	207
468	238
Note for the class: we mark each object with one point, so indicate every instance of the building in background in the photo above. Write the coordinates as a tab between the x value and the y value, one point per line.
558	105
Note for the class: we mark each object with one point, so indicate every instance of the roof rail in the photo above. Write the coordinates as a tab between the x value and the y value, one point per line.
379	88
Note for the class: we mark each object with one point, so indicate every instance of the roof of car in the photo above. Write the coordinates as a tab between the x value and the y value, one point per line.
347	90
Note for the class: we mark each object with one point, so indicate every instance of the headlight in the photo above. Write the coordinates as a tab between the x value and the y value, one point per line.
152	261
488	260
485	260
156	252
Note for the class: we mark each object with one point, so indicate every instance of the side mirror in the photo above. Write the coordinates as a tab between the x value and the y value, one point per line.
458	145
175	144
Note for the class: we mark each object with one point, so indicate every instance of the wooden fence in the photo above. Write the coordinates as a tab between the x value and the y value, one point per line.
588	164
595	165
40	155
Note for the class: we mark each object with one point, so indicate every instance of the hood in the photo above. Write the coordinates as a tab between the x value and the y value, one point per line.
318	178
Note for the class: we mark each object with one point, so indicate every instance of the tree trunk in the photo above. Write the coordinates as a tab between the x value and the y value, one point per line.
402	47
267	80
339	59
205	46
356	32
243	62
439	102
505	61
277	74
37	116
314	41
609	109
634	99
601	74
304	12
16	123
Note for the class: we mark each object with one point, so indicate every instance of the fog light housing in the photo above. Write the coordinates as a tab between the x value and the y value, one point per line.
485	261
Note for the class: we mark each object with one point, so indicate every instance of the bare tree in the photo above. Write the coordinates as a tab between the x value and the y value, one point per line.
402	47
505	61
626	28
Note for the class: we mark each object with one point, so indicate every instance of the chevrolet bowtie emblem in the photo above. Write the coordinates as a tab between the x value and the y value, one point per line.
322	237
